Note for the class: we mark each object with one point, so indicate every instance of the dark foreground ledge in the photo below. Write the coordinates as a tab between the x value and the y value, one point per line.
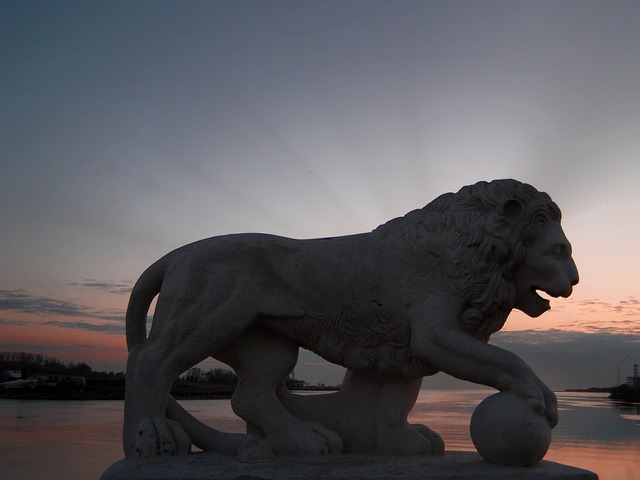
451	465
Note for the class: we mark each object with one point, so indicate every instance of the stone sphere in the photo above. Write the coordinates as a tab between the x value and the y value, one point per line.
506	430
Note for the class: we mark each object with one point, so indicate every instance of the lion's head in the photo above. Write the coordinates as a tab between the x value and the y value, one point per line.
494	245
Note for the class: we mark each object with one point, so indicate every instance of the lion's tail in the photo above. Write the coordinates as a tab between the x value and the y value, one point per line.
143	293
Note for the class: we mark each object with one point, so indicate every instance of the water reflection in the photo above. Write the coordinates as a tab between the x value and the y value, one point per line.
62	440
58	439
594	433
598	434
611	461
627	410
586	417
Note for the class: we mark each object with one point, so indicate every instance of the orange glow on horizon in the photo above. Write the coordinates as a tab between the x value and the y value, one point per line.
65	344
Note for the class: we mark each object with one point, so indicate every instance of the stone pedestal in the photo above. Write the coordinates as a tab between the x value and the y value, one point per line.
451	465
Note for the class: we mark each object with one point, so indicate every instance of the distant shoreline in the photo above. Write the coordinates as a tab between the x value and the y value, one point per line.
622	392
590	390
113	389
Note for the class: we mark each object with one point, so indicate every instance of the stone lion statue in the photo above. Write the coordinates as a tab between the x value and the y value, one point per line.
418	295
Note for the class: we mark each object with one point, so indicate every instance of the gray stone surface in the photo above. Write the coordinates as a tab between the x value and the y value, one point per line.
417	295
451	465
505	430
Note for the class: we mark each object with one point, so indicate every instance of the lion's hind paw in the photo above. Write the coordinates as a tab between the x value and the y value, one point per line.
156	437
434	438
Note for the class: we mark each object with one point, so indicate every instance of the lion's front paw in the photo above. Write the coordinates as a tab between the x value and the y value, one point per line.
539	398
551	407
157	436
308	438
410	439
434	438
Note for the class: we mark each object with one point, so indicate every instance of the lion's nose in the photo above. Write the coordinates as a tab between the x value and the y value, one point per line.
574	277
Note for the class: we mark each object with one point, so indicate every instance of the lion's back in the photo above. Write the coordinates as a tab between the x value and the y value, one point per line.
285	274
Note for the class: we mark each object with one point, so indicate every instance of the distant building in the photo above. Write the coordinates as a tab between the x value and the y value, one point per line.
9	375
635	380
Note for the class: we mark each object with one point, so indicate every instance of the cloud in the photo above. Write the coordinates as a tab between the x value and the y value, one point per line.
23	302
629	306
18	300
118	288
112	321
615	326
557	339
4	321
93	327
109	328
30	347
110	315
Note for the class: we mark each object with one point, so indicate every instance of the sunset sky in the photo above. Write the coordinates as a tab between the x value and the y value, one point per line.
128	129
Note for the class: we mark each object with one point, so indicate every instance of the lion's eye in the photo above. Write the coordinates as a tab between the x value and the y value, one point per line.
558	251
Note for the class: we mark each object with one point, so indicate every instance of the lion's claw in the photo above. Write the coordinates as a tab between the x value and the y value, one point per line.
156	437
255	449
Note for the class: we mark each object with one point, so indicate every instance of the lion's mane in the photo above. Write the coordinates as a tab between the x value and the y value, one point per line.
469	244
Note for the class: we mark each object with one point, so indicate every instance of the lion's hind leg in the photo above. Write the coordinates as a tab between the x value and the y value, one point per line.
262	361
181	336
147	431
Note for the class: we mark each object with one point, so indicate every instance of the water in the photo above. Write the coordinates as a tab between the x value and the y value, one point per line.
594	432
72	440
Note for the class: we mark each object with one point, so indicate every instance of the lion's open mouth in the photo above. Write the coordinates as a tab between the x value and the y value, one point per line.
535	292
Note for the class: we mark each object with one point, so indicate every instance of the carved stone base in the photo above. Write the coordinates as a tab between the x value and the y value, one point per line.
458	465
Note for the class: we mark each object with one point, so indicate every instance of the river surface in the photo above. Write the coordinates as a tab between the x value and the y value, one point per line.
68	440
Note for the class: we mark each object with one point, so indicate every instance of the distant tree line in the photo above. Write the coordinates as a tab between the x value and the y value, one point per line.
217	376
295	384
34	363
221	376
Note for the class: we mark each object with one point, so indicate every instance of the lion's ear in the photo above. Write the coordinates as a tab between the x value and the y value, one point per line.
512	208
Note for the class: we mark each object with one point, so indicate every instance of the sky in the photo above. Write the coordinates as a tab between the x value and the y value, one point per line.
128	129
